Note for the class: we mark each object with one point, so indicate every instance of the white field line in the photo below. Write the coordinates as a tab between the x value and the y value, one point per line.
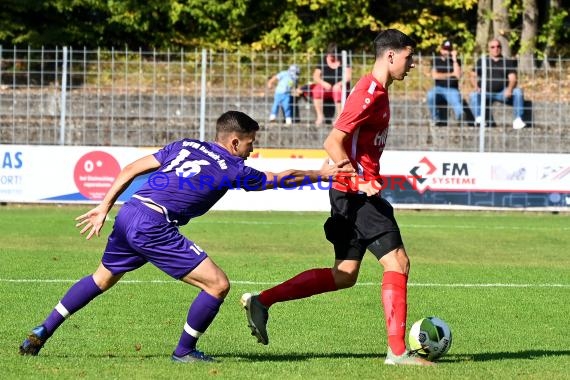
264	283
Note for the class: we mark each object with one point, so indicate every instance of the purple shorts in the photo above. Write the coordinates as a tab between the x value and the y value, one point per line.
142	235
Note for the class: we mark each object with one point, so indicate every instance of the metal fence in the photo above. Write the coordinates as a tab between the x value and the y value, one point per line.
141	98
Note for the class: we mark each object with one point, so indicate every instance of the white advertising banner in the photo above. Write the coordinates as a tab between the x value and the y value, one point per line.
84	174
53	173
503	172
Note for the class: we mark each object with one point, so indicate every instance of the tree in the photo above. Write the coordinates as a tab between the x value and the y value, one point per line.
484	17
501	25
553	30
302	25
528	35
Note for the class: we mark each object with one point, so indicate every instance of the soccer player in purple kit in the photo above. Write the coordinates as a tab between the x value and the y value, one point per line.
188	178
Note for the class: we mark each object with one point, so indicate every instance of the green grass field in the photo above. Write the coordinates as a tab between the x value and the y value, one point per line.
501	281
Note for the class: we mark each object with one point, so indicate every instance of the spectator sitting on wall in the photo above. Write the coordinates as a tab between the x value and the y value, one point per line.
446	71
501	84
328	82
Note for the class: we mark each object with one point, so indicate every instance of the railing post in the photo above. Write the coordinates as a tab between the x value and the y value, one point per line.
483	104
344	63
203	97
63	98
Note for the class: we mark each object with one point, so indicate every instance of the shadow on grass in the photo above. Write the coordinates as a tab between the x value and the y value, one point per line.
481	357
491	356
300	357
233	356
241	356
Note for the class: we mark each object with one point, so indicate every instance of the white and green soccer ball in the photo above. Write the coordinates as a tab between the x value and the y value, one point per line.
431	337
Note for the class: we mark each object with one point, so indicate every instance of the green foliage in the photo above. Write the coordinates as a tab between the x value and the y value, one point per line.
554	31
312	24
214	24
298	25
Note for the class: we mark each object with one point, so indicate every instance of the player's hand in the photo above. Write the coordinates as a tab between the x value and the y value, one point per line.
370	188
342	167
327	86
92	221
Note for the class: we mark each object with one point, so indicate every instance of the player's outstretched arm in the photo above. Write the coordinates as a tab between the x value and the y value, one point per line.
292	177
94	219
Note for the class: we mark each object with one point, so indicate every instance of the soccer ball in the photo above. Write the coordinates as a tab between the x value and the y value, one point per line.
431	337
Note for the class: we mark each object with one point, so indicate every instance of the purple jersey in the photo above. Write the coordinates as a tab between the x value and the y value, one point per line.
193	176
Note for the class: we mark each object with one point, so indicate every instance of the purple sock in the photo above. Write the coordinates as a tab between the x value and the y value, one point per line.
201	314
79	295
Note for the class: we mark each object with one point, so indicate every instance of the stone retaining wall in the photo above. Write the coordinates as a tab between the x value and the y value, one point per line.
153	120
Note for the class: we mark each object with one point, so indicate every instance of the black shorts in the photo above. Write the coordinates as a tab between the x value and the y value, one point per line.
359	222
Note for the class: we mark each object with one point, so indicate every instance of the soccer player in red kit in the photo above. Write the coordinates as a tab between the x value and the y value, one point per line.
360	219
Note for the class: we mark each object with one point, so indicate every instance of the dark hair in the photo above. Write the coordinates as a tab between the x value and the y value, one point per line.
235	121
392	39
332	49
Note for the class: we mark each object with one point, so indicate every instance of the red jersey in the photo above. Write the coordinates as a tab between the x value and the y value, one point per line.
365	118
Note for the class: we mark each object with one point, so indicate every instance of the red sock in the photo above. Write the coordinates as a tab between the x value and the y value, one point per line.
306	284
394	293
